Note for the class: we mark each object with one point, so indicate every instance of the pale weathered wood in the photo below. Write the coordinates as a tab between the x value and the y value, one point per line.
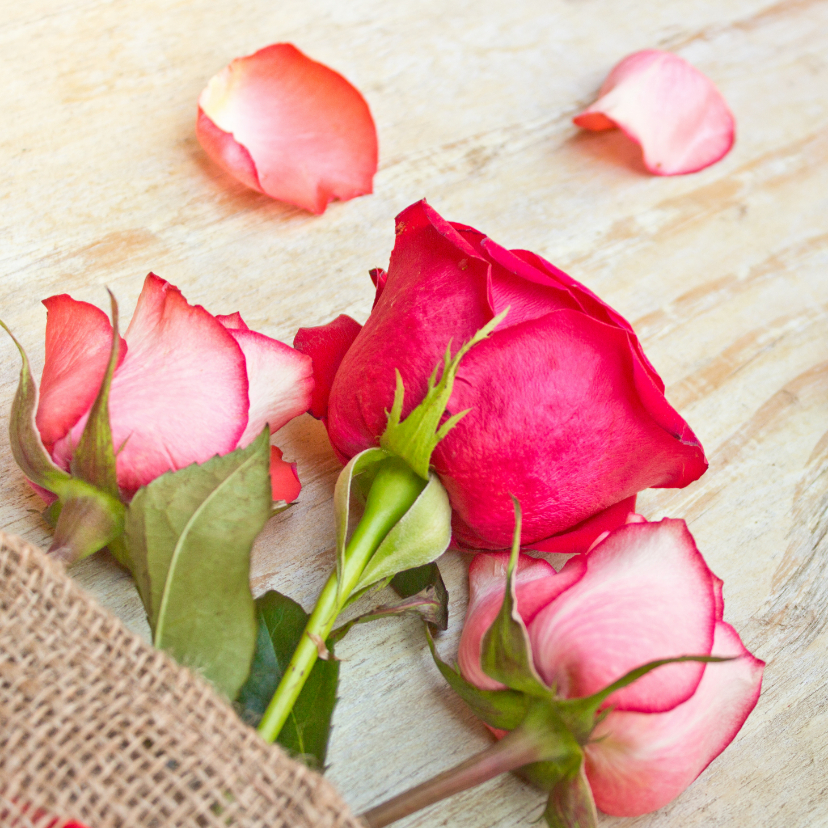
723	274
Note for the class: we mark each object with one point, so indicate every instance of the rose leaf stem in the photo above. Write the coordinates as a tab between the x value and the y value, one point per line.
513	751
395	488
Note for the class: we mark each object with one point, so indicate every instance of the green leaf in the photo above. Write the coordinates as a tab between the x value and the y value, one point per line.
503	709
415	438
366	464
506	655
94	458
419	537
571	804
411	581
306	732
189	534
26	445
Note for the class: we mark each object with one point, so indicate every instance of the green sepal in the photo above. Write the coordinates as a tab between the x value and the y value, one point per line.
505	652
418	538
94	458
580	714
415	438
502	709
27	447
88	520
570	803
365	464
189	534
307	730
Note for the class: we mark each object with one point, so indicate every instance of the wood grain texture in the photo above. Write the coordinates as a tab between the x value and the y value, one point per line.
723	273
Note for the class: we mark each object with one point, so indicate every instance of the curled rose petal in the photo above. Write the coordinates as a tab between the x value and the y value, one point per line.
672	110
289	127
284	480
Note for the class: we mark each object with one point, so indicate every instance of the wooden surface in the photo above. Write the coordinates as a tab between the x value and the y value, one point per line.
723	274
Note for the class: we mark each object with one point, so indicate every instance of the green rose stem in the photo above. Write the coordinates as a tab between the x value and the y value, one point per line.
513	751
406	522
394	490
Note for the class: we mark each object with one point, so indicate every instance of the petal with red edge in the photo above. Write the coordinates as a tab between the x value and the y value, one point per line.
581	537
78	342
326	345
536	585
290	127
647	594
672	110
284	481
180	395
280	382
232	321
638	762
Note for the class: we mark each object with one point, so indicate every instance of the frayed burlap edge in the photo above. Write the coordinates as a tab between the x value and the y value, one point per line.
98	726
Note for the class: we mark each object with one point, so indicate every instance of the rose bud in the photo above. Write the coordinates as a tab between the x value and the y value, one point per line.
564	410
672	110
188	385
289	127
643	593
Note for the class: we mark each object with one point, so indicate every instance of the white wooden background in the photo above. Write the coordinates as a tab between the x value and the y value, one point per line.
723	274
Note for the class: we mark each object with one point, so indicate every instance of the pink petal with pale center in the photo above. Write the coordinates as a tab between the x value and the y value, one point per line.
284	481
638	762
536	585
280	382
672	110
647	594
303	133
181	394
78	342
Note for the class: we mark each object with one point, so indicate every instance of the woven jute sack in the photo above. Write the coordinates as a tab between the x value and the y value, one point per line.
99	727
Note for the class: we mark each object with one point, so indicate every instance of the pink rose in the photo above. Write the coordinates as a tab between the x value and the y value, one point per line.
641	594
565	411
188	385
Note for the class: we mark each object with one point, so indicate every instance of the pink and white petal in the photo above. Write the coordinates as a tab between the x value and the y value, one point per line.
647	594
78	342
326	345
280	382
232	321
226	151
672	110
580	538
180	395
536	584
638	762
284	481
308	132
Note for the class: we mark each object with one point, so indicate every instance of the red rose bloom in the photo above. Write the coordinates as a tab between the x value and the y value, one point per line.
565	411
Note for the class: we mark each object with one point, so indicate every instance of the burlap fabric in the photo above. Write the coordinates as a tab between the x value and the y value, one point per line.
97	726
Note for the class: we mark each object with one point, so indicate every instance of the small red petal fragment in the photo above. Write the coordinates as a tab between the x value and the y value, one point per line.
284	480
672	110
290	127
326	345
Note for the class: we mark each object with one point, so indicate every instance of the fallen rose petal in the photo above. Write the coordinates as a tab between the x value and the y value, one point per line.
672	110
637	762
289	127
284	480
